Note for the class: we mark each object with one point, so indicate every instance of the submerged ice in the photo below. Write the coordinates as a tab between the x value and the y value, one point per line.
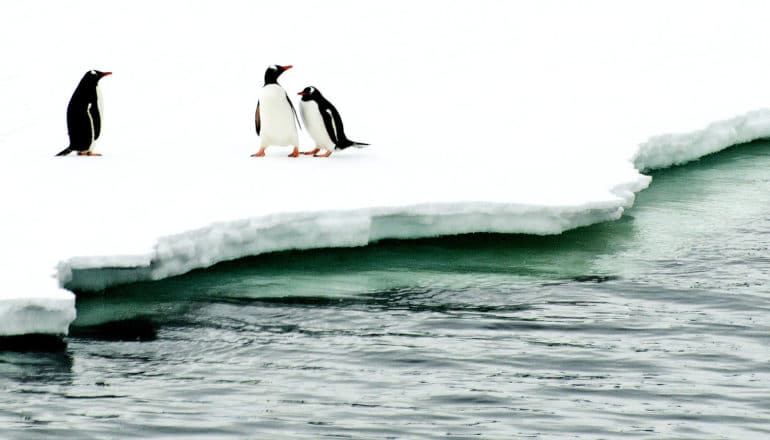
492	123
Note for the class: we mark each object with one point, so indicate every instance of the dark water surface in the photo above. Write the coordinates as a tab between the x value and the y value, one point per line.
657	325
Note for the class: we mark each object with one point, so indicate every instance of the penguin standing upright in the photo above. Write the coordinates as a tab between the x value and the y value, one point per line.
84	115
275	115
324	123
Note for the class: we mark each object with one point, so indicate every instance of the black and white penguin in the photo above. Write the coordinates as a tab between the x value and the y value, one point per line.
323	122
84	115
275	116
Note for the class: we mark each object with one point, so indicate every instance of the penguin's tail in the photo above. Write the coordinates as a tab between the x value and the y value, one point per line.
65	151
348	143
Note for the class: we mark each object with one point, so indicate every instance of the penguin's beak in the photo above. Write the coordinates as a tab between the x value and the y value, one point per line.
302	93
285	68
106	74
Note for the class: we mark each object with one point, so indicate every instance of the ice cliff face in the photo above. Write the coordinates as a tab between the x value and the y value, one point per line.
50	312
200	248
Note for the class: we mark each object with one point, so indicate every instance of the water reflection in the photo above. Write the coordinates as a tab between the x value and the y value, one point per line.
36	367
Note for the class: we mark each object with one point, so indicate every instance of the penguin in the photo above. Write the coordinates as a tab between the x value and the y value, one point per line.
84	115
275	115
324	123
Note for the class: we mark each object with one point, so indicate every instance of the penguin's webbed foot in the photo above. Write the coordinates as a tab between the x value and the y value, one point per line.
312	152
295	153
260	153
88	153
327	154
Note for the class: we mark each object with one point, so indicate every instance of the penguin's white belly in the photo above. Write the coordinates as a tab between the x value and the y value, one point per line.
91	121
99	107
314	124
100	104
276	118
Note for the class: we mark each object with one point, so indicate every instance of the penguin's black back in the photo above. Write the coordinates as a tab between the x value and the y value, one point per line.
336	131
331	119
82	112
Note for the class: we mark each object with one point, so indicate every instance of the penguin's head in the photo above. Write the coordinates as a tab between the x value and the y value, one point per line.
273	72
96	75
310	93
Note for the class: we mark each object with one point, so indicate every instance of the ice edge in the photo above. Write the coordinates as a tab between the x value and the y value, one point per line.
38	315
679	148
204	247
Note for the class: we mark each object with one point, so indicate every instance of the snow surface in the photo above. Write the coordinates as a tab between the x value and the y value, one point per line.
484	116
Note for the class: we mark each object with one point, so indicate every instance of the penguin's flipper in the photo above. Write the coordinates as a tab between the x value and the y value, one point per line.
342	141
65	151
294	111
96	120
257	120
80	128
339	129
329	124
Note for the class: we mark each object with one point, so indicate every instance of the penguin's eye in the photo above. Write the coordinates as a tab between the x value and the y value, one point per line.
92	72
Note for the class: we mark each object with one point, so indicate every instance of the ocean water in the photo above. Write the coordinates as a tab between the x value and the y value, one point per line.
657	325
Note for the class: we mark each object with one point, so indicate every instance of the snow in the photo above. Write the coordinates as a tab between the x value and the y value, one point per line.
490	116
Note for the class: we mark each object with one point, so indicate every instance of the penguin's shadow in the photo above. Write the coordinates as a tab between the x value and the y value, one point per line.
337	156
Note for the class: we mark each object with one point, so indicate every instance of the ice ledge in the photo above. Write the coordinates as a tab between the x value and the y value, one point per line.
37	315
201	248
678	148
